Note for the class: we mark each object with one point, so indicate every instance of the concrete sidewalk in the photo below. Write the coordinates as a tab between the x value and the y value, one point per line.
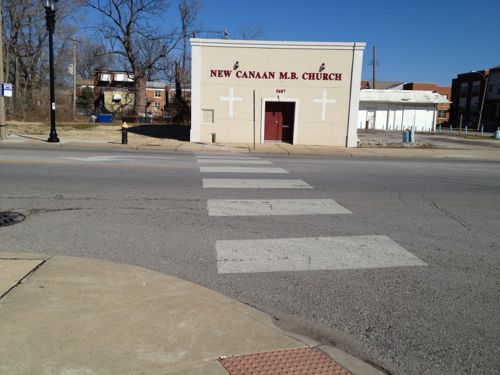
139	142
63	315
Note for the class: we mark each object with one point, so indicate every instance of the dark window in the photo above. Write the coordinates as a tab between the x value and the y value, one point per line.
475	88
463	90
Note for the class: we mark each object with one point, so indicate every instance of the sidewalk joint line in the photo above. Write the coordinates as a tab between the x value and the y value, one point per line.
25	276
284	149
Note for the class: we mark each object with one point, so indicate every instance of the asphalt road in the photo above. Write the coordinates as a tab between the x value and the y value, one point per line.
150	209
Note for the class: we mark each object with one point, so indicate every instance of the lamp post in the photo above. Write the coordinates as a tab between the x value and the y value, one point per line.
484	76
50	17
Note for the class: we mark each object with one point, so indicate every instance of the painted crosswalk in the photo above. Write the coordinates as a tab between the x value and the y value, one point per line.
289	254
254	183
232	161
218	157
225	169
256	207
308	254
104	158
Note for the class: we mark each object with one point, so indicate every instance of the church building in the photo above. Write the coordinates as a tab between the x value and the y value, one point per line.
304	93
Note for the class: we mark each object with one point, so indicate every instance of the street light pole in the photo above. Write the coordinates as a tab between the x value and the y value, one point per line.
3	124
74	80
50	17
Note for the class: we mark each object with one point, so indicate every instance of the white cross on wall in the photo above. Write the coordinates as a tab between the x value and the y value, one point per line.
324	101
231	99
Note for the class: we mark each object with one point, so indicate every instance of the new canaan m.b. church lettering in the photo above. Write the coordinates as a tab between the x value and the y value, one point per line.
255	74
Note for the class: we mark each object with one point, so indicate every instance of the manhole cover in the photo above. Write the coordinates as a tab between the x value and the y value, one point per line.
10	218
306	361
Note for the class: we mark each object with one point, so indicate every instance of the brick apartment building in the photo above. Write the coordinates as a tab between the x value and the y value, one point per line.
467	93
443	110
157	96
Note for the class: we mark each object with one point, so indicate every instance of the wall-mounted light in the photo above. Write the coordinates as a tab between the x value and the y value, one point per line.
322	67
236	65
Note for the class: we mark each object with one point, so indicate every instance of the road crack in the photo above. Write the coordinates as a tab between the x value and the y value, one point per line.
447	213
444	211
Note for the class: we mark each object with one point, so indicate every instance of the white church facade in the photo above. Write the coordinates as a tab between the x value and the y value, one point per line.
303	93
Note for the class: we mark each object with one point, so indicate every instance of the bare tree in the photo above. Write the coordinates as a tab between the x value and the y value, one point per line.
24	36
91	57
151	52
14	13
188	11
25	39
251	30
125	24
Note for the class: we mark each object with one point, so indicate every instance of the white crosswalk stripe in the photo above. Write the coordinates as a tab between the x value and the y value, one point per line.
218	157
249	183
92	159
232	207
224	169
232	161
308	254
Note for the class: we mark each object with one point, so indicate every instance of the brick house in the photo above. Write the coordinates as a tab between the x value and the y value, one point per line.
157	96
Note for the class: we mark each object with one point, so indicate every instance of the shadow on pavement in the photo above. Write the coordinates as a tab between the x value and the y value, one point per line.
178	132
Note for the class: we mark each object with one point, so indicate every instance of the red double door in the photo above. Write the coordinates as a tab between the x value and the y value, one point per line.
279	121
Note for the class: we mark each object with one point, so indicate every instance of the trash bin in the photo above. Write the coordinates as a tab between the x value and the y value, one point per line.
406	136
412	135
105	118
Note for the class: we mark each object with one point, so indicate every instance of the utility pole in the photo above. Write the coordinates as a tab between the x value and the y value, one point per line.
3	125
374	67
485	76
74	80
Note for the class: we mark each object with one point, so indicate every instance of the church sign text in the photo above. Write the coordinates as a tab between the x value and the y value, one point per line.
253	74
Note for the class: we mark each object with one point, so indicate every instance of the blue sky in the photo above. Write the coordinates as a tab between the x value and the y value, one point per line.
417	41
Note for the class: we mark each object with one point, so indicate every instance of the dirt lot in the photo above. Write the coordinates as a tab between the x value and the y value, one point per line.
90	131
68	129
393	139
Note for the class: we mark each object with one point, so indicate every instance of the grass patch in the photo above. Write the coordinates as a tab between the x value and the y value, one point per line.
44	127
480	137
75	125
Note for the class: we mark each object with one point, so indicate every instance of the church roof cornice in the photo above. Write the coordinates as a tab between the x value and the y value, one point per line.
276	44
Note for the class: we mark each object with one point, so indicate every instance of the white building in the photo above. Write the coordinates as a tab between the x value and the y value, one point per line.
399	109
265	91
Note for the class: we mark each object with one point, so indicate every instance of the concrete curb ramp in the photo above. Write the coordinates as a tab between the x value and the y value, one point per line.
64	315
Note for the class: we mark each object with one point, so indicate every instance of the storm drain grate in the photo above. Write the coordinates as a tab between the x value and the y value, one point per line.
304	361
10	218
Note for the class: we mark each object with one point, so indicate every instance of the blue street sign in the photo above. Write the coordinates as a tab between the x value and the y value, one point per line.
7	89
